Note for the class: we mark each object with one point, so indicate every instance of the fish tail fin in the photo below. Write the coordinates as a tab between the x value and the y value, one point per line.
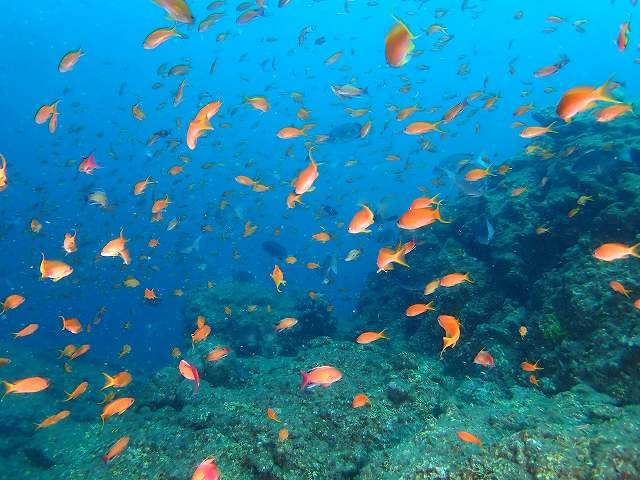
305	379
62	318
124	254
550	128
382	335
468	279
109	382
601	92
9	387
439	217
633	249
400	259
436	126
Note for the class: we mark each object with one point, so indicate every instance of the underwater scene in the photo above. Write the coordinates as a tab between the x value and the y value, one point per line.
320	239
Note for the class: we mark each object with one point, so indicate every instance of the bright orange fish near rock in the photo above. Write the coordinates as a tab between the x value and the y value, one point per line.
119	380
418	309
361	221
387	257
53	419
369	337
612	112
76	392
453	279
116	407
285	324
484	358
271	413
218	353
469	438
451	327
579	99
420	217
159	36
619	287
530	367
117	248
533	132
278	277
207	470
360	400
54	269
398	44
323	376
609	252
26	385
69	60
116	449
190	372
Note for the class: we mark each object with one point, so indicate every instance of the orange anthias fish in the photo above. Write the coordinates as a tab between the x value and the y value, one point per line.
398	44
579	99
218	353
468	437
419	128
324	376
141	186
431	287
386	256
201	123
120	380
271	413
69	60
322	237
190	372
533	132
26	331
484	358
360	400
259	103
53	419
116	449
11	302
26	385
623	36
149	294
54	269
361	221
178	10
278	277
305	179
160	205
200	334
451	327
116	248
476	174
159	36
530	367
420	217
3	173
72	325
45	112
207	470
88	164
287	133
453	279
116	407
369	337
612	112
418	309
618	287
69	243
285	324
609	252
79	390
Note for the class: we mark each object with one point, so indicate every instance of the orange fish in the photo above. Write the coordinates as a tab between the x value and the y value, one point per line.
201	123
530	367
72	325
54	269
159	36
609	252
53	419
69	243
116	449
361	221
322	237
431	287
484	358
292	199
45	112
369	337
522	331
278	277
116	407
141	186
160	205
79	390
273	415
207	470
424	202
305	179
419	128
579	99
26	385
116	248
283	434
259	103
360	400
36	226
451	327
533	132
288	133
618	287
453	279
398	44
3	173
149	294
420	217
324	376
81	350
190	372
69	60
120	380
366	128
612	112
534	380
26	331
386	256
200	334
476	174
11	302
218	353
468	437
418	308
285	324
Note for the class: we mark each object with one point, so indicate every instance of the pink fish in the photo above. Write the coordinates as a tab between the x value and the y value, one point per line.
190	373
88	164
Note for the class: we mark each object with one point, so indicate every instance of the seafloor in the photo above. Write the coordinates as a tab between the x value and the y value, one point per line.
581	422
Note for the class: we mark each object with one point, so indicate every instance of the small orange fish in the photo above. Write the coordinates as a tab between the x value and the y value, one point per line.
149	294
361	221
116	407
11	302
453	279
418	308
360	400
534	380
306	178
322	237
72	325
484	358
26	331
218	354
530	367
476	174
533	132
609	252
469	438
116	449
79	390
69	60
618	287
283	434
451	326
53	419
259	103
273	415
369	337
117	248
26	385
285	324
54	269
119	380
522	331
431	287
278	277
